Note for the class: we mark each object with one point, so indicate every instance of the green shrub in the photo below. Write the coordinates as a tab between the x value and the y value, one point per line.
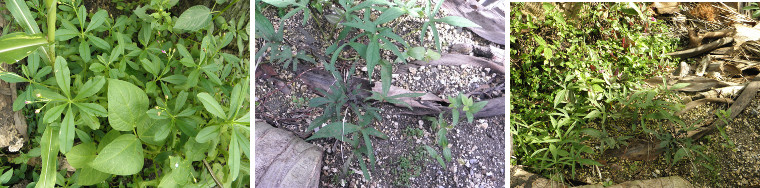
174	97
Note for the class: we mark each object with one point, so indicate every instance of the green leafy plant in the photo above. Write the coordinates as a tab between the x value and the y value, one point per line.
333	122
723	116
432	21
345	117
754	9
462	102
110	108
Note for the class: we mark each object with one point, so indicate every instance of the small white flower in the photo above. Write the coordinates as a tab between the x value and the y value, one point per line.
39	95
176	165
27	102
37	111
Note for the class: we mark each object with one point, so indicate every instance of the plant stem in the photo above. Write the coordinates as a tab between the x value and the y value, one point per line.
208	167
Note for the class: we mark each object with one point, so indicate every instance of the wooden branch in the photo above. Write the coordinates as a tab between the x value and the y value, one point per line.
208	167
701	49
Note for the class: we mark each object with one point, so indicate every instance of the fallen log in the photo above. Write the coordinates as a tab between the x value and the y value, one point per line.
284	160
428	104
739	105
701	49
459	59
724	92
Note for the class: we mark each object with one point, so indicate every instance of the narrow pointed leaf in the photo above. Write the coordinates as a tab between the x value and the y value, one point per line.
97	20
66	134
211	105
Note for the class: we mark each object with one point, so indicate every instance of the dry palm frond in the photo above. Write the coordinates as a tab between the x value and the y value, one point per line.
750	49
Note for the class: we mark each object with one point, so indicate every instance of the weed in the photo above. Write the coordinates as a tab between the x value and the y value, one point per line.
408	167
413	132
340	104
108	103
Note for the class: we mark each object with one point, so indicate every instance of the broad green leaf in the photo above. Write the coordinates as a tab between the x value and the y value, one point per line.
279	3
49	147
181	99
186	112
123	156
457	21
446	153
156	114
679	155
373	56
369	27
238	96
90	120
97	20
146	32
176	79
432	55
264	27
388	15
6	176
81	154
180	170
151	67
53	113
211	105
245	143
66	134
207	133
63	75
592	115
22	15
98	42
370	150
108	138
92	109
168	181
90	176
213	77
90	87
417	52
194	18
154	132
386	74
84	52
65	34
195	151
337	130
434	154
127	104
16	46
233	160
11	77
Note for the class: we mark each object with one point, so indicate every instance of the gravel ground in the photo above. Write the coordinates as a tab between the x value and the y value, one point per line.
477	147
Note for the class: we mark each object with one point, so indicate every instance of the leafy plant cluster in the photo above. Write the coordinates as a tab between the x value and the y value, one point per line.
346	117
441	126
145	99
576	85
